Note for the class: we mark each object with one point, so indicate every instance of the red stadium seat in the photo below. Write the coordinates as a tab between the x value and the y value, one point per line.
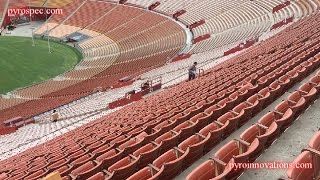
124	168
195	144
215	133
131	145
297	103
168	140
215	111
110	157
86	170
264	97
147	173
232	123
314	142
301	173
147	154
210	169
185	130
308	92
253	105
201	120
172	162
284	115
272	128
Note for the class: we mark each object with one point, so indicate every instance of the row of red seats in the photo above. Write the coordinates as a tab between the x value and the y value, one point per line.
311	153
194	147
260	136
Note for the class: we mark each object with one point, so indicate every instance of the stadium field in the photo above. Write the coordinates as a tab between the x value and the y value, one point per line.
22	64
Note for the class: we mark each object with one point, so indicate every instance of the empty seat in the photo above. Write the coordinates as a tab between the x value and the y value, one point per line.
81	160
165	126
131	145
119	140
315	82
276	89
237	150
147	154
168	140
215	111
272	128
124	168
215	132
102	149
185	130
240	113
314	142
264	97
232	123
260	132
195	144
302	173
86	170
253	105
37	175
284	115
308	92
210	169
172	162
147	173
297	103
102	175
201	121
110	157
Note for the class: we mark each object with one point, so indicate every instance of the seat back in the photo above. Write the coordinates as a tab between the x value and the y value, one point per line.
189	142
164	158
226	152
301	173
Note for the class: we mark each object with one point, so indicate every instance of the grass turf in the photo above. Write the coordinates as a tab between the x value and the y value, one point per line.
22	64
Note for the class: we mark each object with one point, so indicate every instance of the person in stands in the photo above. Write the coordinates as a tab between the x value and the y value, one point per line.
55	115
193	71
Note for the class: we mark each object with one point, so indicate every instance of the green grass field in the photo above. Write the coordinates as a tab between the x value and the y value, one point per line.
22	64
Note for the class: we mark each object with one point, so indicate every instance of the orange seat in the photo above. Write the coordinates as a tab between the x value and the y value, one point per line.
110	157
172	162
201	120
168	140
215	111
284	115
147	173
147	153
272	130
297	103
254	105
86	170
241	113
124	168
264	97
215	133
131	145
232	123
210	169
302	173
196	145
185	130
314	142
308	92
